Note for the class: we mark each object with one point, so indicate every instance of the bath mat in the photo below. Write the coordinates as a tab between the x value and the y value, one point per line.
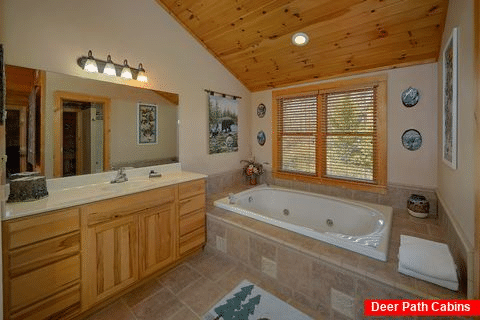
250	302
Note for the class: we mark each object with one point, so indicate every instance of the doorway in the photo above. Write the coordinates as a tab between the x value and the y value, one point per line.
15	140
81	126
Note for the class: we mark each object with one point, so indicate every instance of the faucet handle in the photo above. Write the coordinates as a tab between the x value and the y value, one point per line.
154	174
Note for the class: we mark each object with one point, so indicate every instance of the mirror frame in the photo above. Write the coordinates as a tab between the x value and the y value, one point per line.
60	96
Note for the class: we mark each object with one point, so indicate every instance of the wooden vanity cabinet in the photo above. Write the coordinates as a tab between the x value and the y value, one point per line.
42	266
125	239
157	238
191	212
60	264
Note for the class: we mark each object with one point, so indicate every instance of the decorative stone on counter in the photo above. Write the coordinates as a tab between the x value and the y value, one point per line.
29	187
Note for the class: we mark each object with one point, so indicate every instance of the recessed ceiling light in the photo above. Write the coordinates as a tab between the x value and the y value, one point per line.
300	39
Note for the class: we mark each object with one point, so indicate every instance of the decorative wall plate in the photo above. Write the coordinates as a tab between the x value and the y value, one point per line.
261	110
412	139
261	138
410	97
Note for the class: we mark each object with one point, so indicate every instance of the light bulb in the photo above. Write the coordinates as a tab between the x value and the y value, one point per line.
300	39
126	72
90	64
142	76
109	67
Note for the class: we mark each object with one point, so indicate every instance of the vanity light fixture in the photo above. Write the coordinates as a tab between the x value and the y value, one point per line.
141	76
126	72
91	64
109	67
300	39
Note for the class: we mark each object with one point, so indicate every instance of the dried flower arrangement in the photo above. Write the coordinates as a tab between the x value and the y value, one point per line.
252	170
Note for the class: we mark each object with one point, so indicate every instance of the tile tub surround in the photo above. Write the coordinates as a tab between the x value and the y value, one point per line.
396	195
461	251
308	270
225	180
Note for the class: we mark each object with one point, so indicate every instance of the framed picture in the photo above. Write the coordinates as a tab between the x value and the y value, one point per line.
147	124
449	79
223	124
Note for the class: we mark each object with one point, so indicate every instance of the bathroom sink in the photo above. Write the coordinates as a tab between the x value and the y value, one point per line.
130	185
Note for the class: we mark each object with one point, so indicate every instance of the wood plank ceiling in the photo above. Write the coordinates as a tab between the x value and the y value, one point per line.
19	85
252	38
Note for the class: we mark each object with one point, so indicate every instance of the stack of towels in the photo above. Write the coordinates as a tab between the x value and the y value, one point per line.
427	260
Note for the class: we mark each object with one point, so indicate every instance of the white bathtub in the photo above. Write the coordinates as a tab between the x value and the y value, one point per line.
356	226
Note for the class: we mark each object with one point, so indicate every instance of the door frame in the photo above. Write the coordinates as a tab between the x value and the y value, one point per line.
23	133
60	96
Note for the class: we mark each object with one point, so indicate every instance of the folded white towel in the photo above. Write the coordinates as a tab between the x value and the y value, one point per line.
452	285
431	261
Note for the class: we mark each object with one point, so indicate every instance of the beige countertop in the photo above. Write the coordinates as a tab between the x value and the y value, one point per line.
79	190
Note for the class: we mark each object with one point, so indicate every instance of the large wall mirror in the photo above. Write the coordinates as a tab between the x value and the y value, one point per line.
63	125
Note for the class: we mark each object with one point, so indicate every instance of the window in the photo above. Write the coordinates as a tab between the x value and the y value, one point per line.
333	133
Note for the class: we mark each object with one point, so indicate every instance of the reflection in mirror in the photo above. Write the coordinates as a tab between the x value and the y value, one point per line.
108	108
82	137
84	133
24	102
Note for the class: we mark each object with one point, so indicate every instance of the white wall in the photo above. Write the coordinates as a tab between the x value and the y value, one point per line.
456	187
51	35
418	168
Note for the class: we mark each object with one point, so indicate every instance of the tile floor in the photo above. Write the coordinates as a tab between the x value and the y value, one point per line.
186	292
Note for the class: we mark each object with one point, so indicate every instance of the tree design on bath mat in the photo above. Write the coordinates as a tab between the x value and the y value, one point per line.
233	309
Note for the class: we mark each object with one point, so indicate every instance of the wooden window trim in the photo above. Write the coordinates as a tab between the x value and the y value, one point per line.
380	153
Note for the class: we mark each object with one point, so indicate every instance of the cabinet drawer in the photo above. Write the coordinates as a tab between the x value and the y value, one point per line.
63	305
36	228
192	221
42	253
47	281
191	204
192	240
188	189
107	210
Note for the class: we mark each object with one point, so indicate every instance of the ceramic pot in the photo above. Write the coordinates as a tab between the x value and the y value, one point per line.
418	206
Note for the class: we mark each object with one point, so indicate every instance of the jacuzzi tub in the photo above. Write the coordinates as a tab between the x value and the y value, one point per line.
360	227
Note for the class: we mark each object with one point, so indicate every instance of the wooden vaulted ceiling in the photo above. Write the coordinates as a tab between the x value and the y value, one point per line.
252	38
19	85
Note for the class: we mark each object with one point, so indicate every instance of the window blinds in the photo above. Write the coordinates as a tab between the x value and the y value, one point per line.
349	134
297	139
328	134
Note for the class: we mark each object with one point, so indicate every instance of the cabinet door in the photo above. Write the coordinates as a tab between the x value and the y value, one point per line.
111	258
157	238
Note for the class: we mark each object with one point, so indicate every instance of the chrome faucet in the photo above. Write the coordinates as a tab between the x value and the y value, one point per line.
231	198
154	174
120	177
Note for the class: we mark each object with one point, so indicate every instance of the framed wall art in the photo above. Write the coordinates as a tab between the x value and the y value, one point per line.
147	124
449	93
223	124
